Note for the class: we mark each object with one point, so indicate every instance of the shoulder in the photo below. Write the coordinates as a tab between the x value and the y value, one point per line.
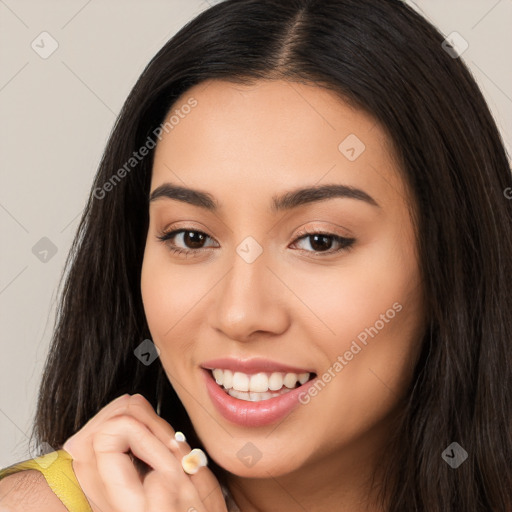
28	491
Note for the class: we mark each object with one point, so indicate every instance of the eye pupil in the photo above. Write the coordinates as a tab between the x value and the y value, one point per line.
193	239
324	245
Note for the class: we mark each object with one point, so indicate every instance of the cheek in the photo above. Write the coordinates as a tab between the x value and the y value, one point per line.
378	279
166	298
374	307
168	291
371	313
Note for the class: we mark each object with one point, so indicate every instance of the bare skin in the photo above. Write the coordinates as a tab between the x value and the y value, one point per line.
243	145
300	302
107	475
28	491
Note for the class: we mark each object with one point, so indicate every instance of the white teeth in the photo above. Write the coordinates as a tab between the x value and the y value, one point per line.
218	376
227	379
275	382
260	383
303	378
254	396
290	380
241	381
235	393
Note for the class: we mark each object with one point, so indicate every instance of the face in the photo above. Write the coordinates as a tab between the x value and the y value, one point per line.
273	283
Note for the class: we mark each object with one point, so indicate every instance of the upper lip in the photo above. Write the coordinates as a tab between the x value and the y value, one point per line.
252	365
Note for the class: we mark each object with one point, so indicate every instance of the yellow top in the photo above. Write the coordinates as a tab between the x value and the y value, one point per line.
58	471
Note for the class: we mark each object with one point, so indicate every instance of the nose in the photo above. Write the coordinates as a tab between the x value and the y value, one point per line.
250	302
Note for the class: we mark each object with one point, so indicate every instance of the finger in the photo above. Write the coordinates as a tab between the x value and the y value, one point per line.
191	460
103	414
140	408
111	444
163	494
204	480
134	405
80	445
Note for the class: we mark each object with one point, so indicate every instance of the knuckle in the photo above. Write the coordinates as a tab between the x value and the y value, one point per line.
114	427
121	400
130	404
125	422
120	403
124	398
138	401
138	398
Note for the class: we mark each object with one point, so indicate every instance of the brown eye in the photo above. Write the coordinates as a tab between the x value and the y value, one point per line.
184	241
323	242
320	242
193	239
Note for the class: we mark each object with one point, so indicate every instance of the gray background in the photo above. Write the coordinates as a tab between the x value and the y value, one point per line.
55	116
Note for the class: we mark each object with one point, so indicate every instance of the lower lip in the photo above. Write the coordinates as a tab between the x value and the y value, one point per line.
253	414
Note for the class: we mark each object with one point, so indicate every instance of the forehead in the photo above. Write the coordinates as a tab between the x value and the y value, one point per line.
272	135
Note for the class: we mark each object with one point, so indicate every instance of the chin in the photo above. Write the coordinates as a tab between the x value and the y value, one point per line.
247	461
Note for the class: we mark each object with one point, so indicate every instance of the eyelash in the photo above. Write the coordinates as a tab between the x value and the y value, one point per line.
346	243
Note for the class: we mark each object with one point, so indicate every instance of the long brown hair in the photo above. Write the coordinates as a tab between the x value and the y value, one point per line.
384	58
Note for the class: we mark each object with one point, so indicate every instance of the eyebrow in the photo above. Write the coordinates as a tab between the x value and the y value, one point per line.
286	201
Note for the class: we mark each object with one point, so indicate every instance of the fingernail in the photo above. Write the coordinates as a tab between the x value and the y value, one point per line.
180	437
173	444
193	461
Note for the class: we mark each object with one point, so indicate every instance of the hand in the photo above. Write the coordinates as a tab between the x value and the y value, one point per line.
106	472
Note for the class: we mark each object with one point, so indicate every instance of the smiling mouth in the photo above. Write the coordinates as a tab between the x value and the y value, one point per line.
258	386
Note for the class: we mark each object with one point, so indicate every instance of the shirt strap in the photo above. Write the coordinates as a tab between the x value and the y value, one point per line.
57	470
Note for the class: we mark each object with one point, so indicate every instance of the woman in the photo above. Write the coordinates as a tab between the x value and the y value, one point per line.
297	252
